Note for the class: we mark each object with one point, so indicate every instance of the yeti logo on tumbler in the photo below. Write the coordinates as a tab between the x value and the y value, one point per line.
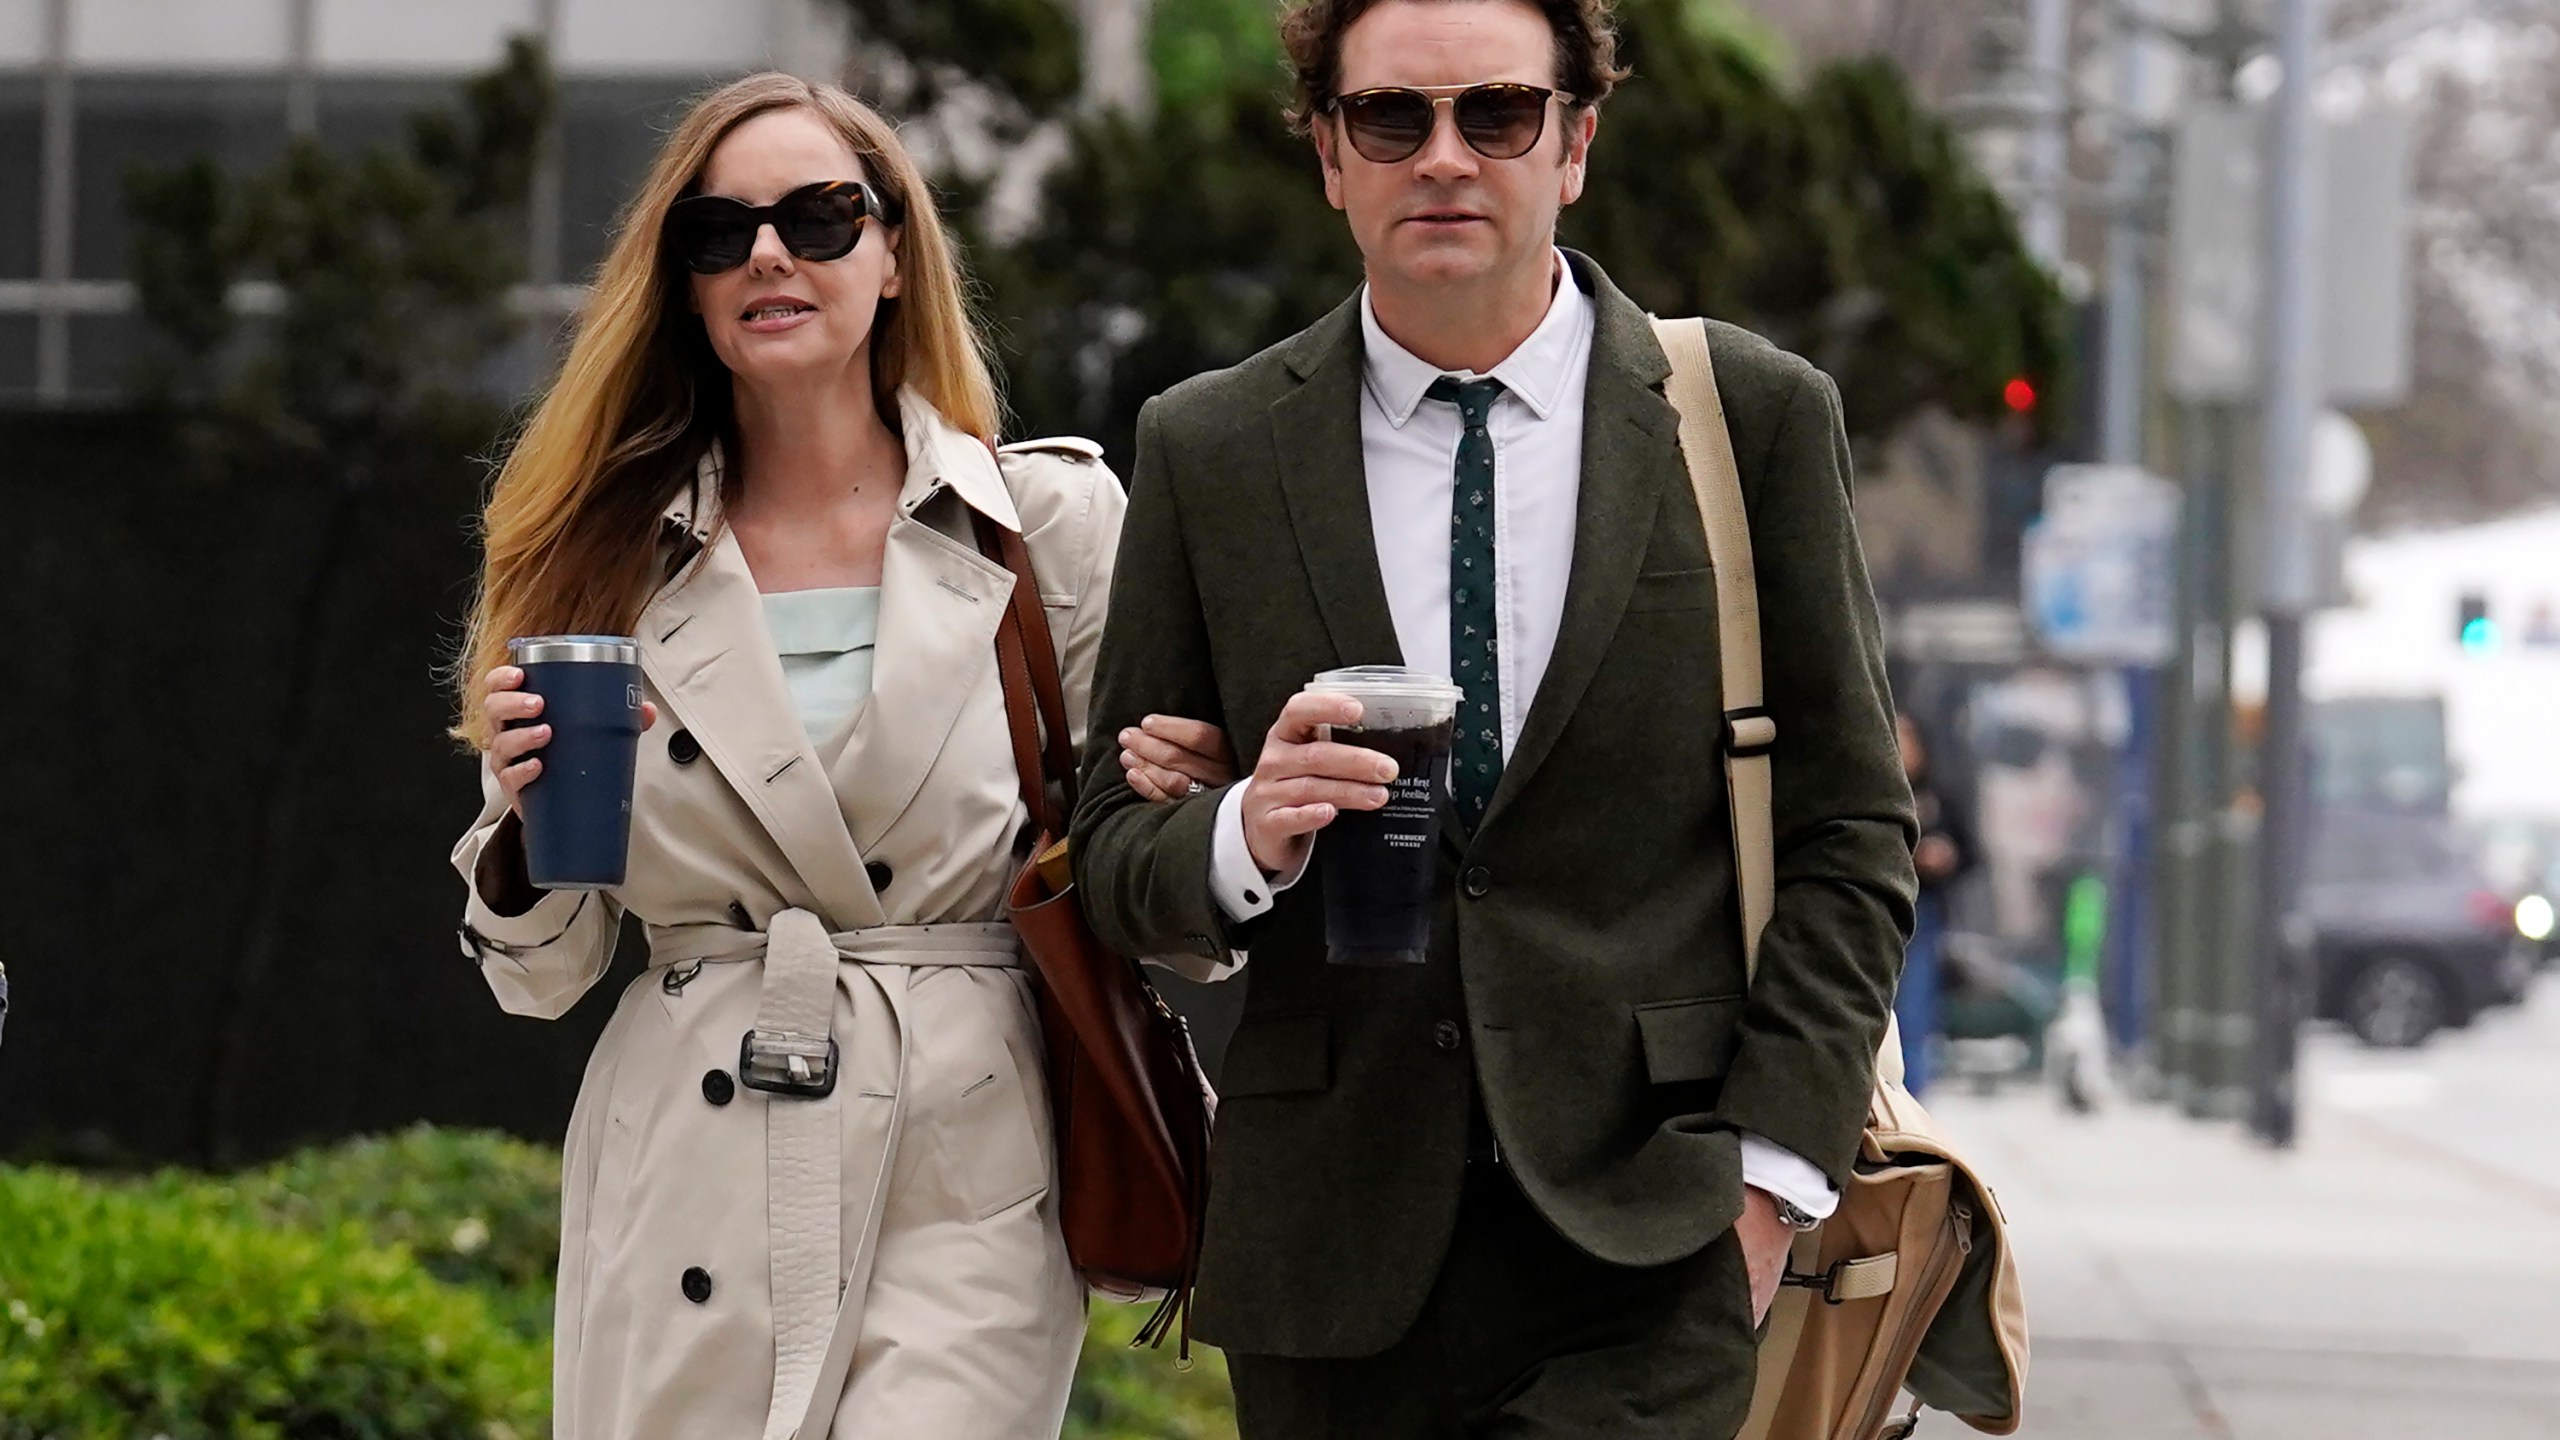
577	812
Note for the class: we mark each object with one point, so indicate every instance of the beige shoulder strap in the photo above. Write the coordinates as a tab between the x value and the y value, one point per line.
1750	732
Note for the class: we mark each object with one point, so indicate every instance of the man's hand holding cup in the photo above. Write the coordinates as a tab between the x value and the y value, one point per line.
1303	780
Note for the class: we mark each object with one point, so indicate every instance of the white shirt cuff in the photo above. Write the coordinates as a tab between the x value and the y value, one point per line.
1789	1176
1235	881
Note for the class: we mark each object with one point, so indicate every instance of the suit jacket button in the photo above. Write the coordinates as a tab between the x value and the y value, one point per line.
1445	1034
1478	881
880	874
682	748
697	1285
717	1087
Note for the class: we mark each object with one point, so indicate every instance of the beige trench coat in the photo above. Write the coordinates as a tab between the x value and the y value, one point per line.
695	1267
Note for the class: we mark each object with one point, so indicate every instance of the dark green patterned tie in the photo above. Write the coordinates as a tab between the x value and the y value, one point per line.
1476	757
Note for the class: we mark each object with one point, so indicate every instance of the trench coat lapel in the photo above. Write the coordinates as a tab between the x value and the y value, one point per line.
1630	460
704	647
940	605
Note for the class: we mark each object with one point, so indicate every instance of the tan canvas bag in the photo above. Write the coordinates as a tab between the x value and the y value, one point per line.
1909	1286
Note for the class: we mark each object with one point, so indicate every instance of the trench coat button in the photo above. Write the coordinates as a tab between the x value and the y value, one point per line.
1479	882
697	1285
718	1088
682	748
1444	1035
880	874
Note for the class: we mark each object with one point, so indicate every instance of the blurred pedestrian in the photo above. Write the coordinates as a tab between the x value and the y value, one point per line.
765	456
1545	1181
1944	853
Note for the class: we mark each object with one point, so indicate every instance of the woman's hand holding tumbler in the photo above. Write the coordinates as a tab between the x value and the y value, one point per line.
503	699
514	757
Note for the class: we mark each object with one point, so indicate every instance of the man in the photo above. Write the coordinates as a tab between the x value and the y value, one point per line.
1543	1183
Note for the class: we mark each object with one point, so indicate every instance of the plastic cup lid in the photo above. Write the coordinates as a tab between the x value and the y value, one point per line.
1386	682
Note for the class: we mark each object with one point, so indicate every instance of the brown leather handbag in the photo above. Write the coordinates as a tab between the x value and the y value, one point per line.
1132	1106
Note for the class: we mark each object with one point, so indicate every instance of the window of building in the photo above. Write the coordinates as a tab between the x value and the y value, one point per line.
359	113
17	358
610	131
124	122
21	177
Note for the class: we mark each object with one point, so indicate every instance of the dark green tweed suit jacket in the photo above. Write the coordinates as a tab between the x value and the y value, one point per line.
1586	966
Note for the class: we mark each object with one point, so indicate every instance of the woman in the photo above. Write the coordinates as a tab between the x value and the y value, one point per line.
806	1183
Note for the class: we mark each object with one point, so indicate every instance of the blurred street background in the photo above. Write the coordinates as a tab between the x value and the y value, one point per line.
2388	1277
2199	357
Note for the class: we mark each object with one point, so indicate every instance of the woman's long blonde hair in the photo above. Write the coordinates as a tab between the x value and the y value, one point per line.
571	538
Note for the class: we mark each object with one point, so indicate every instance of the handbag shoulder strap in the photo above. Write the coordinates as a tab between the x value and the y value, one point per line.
1750	734
1035	701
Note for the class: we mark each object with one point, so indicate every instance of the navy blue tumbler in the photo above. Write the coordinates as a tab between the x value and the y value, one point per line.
577	812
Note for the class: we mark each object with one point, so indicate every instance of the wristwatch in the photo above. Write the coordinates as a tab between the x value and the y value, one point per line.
1794	1216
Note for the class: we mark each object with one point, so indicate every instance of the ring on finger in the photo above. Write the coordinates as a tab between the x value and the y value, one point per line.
1196	788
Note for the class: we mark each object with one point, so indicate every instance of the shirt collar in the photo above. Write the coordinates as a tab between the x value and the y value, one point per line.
1536	372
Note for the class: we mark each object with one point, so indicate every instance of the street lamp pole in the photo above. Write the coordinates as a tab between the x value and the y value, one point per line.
2292	390
2048	134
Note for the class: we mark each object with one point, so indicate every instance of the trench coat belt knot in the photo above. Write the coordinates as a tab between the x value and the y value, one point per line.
811	1074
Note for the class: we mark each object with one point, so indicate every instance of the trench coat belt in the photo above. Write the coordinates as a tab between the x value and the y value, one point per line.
817	1297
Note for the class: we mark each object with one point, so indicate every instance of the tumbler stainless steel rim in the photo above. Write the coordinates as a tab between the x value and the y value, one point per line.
593	649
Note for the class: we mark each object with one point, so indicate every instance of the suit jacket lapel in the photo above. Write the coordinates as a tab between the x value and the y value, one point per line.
1315	433
1630	460
704	647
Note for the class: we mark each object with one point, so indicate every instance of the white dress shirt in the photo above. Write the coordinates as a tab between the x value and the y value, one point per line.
1409	450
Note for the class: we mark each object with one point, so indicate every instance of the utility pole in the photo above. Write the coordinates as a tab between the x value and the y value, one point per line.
2131	970
2205	834
2292	281
2048	133
2126	364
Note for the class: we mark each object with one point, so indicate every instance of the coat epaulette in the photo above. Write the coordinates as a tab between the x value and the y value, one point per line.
1074	446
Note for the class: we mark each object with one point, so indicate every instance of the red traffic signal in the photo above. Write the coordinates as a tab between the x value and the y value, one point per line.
2019	395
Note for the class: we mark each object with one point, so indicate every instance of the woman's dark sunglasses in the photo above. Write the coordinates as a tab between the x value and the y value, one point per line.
710	234
1499	122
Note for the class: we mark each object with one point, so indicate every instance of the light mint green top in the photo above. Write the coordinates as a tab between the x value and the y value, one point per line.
826	640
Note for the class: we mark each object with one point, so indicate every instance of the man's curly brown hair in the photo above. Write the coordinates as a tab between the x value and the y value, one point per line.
1311	32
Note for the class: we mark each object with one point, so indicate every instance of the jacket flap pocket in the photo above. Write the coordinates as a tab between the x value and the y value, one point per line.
1689	1039
1674	590
1279	1055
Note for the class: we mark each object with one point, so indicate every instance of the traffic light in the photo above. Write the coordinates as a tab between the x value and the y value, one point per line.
2472	626
2019	395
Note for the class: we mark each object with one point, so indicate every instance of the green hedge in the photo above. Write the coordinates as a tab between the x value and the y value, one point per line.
160	1310
475	1207
390	1287
1139	1394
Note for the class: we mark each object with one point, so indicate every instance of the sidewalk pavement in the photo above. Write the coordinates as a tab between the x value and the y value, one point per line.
2186	1283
